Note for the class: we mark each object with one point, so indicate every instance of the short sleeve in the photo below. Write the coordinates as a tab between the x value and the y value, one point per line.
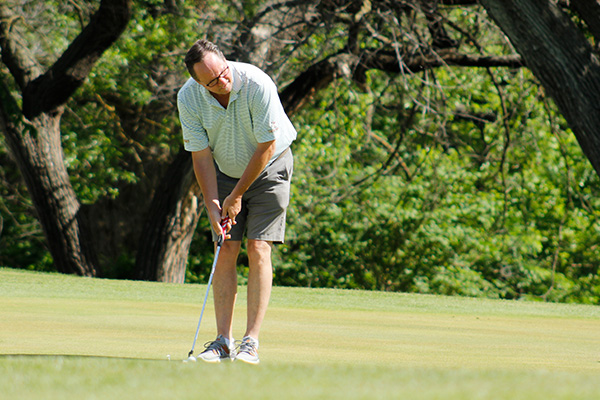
266	111
195	137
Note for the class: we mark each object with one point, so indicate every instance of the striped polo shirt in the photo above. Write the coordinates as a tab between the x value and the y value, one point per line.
254	115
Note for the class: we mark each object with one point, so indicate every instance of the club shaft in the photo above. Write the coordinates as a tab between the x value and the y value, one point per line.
212	272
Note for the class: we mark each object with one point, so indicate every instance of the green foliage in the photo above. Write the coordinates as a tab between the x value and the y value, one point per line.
495	207
22	242
123	118
452	181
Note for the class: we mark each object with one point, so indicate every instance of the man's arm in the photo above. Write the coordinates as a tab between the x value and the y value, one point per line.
233	203
204	169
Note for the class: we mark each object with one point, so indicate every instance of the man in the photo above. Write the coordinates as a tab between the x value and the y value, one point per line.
239	135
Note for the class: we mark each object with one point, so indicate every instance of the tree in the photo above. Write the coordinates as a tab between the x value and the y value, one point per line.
32	130
560	55
305	46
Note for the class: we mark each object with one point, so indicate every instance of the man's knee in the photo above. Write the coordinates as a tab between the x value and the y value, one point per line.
231	246
229	252
259	249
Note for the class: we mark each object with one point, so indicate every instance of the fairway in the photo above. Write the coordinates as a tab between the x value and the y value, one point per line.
71	337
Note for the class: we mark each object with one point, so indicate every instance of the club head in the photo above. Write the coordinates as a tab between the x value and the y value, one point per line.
189	359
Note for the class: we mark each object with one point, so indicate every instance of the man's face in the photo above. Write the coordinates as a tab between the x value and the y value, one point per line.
214	74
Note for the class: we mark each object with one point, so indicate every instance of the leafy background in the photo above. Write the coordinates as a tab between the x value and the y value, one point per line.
452	181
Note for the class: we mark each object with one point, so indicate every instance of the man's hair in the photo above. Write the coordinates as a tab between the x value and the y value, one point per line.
197	52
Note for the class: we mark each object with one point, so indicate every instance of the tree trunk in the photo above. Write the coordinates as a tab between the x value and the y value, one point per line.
37	149
561	58
171	221
33	131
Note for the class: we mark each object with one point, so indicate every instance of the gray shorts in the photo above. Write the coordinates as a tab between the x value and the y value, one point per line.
265	202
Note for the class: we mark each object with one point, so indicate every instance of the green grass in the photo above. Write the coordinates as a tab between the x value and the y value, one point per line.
70	337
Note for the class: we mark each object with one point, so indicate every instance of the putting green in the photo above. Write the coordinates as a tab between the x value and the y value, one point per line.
314	343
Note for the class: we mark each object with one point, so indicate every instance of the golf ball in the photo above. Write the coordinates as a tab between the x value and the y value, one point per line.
192	358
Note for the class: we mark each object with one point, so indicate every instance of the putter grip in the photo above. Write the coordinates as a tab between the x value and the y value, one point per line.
224	222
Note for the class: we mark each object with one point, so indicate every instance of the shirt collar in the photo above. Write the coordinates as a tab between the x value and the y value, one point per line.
237	82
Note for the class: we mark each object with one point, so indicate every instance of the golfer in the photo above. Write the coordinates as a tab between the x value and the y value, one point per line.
234	125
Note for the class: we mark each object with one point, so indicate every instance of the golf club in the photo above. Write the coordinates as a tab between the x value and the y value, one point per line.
212	272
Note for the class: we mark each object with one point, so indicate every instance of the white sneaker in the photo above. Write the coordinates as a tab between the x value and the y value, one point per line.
217	350
247	350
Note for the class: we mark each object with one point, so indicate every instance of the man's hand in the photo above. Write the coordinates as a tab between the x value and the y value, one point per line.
232	205
226	227
221	225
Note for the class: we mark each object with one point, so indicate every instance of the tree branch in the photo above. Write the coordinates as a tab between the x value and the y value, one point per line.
561	57
388	61
589	10
319	75
52	89
316	77
16	57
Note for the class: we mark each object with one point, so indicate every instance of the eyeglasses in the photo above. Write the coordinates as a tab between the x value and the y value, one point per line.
216	80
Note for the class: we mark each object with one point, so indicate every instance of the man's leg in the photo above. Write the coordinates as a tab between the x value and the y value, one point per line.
225	286
260	280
